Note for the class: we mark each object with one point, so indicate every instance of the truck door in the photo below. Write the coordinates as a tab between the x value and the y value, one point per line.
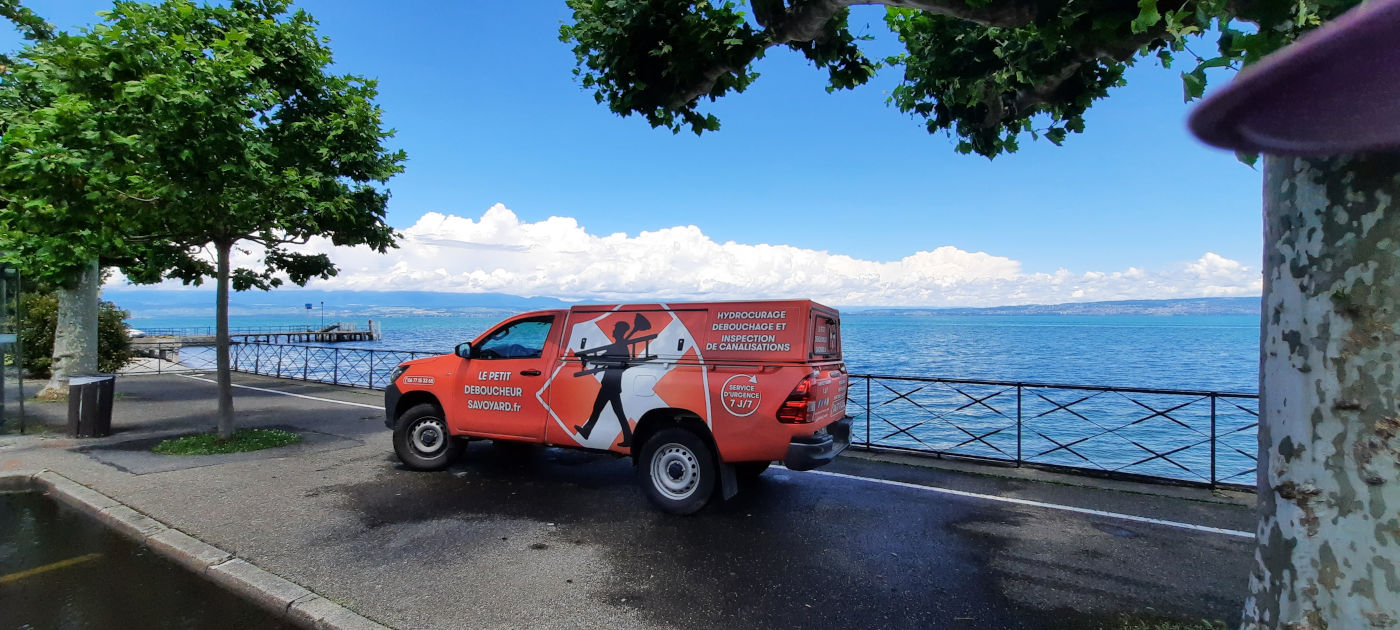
502	380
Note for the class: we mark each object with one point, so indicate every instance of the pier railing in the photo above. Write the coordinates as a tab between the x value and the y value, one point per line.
189	331
1200	437
1184	436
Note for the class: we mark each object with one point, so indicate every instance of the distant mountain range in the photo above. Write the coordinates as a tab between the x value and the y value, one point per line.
1189	306
200	303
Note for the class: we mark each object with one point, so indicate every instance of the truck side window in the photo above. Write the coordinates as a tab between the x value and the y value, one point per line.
520	340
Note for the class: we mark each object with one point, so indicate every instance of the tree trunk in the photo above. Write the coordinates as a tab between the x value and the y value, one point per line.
225	378
75	335
1328	551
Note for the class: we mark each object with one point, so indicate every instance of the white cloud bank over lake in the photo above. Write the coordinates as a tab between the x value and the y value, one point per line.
557	257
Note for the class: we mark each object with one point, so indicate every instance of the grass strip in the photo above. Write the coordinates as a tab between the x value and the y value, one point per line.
1174	625
242	441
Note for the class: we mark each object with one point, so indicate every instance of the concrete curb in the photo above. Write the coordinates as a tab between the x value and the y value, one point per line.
269	591
186	550
273	593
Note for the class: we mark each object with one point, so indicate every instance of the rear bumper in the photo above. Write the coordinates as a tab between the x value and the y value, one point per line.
391	402
812	451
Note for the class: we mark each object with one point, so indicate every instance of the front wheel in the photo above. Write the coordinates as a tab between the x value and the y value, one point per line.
421	439
677	471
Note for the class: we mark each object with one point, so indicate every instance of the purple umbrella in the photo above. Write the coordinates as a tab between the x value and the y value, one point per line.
1336	90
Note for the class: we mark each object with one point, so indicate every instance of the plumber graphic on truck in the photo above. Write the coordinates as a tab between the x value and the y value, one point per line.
612	360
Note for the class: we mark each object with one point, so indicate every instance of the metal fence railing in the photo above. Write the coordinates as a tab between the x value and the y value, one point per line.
354	367
1192	436
1200	437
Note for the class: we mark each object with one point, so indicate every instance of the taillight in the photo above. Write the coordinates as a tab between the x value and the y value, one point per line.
798	406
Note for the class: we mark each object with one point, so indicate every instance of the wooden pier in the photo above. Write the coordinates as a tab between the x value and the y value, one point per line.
333	333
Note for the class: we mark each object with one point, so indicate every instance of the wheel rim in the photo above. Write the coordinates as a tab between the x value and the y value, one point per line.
675	471
428	436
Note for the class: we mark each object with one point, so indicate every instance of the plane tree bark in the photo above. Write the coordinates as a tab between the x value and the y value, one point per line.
75	335
1329	424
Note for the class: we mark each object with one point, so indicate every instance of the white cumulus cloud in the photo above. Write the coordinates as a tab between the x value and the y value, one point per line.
558	257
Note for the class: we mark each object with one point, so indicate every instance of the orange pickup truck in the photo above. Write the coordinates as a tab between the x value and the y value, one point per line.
698	394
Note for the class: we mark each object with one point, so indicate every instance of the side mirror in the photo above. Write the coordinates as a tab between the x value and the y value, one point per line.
464	350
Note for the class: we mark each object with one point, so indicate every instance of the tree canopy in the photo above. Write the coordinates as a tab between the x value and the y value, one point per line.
74	174
258	142
989	72
172	127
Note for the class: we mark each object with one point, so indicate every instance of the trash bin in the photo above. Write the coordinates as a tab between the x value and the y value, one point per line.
90	405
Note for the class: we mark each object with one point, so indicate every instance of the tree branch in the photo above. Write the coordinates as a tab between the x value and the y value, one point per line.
30	25
152	200
994	14
806	19
1027	99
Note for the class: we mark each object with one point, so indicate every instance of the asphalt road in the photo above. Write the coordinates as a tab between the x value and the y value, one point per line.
550	538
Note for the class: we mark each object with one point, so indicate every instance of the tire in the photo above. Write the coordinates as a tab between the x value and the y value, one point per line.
749	471
677	471
421	439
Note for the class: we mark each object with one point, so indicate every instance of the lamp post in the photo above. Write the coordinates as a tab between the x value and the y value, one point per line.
11	288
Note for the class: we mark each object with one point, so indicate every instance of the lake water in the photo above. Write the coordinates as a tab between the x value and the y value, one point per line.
1214	353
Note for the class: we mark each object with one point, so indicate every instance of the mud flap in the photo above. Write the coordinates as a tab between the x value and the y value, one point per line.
728	481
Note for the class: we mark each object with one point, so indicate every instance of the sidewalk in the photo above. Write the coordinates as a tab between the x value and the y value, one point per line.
550	538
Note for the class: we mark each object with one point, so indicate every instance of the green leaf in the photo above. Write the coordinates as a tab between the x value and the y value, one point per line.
1217	62
1147	16
1193	85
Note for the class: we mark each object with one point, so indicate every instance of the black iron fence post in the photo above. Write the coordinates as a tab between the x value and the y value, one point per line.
335	366
867	413
370	378
1018	425
1212	440
230	351
305	363
279	361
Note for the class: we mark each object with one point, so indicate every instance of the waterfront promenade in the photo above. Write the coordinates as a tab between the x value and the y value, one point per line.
515	537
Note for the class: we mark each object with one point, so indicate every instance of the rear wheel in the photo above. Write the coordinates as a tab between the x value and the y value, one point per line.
421	439
677	471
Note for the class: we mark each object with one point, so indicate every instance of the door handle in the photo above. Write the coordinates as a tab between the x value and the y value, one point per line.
529	372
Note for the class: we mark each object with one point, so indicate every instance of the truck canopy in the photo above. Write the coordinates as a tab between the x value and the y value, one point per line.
782	331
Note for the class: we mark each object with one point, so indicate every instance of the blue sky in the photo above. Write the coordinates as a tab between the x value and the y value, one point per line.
483	101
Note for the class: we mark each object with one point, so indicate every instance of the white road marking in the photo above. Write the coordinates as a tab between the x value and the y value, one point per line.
1041	504
273	391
